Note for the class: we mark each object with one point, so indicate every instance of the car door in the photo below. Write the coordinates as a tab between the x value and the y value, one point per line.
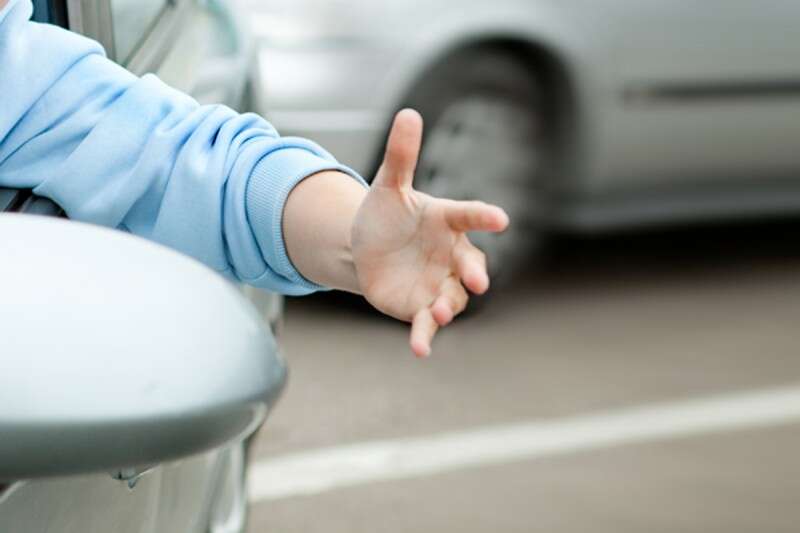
200	49
171	497
706	92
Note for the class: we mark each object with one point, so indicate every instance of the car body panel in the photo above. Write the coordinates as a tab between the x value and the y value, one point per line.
174	497
203	49
690	102
671	97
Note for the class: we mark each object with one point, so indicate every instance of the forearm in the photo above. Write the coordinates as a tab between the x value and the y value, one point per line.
317	223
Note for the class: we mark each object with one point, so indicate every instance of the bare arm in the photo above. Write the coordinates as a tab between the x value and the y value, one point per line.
317	227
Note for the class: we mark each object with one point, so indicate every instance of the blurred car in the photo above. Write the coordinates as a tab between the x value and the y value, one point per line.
576	116
128	427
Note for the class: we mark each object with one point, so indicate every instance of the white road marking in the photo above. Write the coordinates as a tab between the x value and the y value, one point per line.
317	471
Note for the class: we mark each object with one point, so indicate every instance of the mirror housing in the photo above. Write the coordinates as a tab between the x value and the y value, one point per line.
117	352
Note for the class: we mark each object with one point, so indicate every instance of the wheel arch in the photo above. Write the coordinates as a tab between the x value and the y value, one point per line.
540	58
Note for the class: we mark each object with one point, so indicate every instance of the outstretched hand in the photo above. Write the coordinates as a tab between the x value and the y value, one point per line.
411	253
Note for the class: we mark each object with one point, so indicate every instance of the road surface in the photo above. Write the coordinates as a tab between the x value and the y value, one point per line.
655	377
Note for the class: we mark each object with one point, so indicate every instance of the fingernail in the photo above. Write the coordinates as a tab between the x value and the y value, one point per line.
504	218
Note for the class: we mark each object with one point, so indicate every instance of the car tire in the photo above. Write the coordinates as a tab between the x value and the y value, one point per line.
486	138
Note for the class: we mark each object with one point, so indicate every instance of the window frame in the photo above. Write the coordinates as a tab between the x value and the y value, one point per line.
94	19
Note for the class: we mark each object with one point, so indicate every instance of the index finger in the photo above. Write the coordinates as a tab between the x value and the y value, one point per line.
475	216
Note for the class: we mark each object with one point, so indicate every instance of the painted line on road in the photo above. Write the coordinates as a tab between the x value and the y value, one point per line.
317	471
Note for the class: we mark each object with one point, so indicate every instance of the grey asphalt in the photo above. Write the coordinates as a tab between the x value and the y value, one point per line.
605	323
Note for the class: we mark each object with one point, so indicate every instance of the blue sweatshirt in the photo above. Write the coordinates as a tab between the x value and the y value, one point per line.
132	153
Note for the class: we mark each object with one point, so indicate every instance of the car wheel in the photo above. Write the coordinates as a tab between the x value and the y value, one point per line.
485	139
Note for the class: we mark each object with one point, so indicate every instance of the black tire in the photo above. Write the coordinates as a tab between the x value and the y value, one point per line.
511	97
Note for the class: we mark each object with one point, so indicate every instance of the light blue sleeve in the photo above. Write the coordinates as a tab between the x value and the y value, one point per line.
121	151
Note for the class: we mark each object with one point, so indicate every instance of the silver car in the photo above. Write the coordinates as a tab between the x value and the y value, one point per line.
575	115
130	411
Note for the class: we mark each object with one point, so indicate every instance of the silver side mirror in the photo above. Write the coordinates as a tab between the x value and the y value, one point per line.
116	352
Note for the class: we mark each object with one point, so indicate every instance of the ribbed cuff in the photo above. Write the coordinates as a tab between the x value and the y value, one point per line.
272	180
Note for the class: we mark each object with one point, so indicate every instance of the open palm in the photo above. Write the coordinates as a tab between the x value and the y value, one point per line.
412	256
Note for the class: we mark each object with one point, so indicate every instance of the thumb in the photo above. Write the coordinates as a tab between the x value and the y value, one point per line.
402	151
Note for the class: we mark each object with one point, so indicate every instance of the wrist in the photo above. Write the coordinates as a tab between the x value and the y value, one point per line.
318	226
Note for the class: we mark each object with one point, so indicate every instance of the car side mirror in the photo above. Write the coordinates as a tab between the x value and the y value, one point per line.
116	352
